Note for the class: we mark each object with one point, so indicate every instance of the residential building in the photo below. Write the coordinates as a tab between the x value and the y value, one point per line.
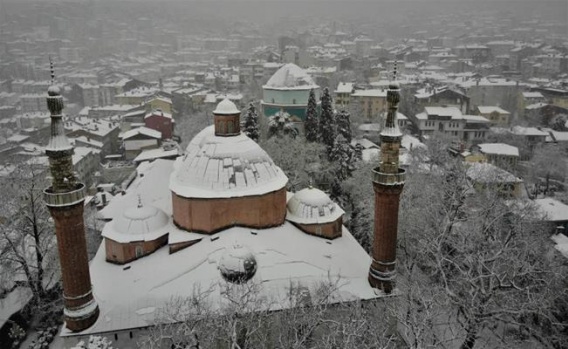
500	154
496	115
343	95
486	176
442	97
368	103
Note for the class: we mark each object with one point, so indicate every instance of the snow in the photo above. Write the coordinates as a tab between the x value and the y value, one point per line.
226	107
536	106
58	143
140	223
158	112
532	95
488	173
285	255
312	206
344	87
370	93
453	112
291	77
528	131
499	149
217	167
152	154
554	210
143	131
85	310
561	243
491	109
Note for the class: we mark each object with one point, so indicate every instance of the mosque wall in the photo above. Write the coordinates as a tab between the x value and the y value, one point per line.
121	253
212	215
330	230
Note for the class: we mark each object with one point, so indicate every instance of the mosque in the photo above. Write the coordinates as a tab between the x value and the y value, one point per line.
287	91
218	214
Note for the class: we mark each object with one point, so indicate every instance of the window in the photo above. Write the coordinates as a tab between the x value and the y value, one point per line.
115	336
139	251
318	231
294	101
230	124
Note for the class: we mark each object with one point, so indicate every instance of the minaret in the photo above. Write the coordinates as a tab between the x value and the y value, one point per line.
388	181
65	199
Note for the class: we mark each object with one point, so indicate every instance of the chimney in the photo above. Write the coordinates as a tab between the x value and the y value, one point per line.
65	199
388	182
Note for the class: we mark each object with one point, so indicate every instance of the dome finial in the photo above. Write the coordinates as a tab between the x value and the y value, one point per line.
139	201
52	71
395	70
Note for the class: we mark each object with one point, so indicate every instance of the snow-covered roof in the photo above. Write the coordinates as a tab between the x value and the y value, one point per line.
532	95
453	112
290	77
370	93
561	243
285	255
536	105
142	131
344	87
158	112
222	167
226	107
138	223
552	209
483	109
528	131
499	149
488	173
152	154
312	206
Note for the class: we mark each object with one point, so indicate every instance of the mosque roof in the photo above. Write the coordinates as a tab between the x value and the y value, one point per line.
290	77
223	167
312	206
139	223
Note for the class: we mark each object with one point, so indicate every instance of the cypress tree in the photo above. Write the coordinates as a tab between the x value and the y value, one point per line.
343	119
251	123
327	121
311	125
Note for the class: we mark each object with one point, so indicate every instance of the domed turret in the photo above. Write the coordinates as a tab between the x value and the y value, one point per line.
137	232
314	212
237	264
227	119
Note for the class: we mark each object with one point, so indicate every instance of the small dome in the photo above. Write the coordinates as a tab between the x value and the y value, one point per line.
53	90
237	264
140	220
290	76
226	107
311	206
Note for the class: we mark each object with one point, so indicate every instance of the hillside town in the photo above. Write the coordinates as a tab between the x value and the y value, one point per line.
262	172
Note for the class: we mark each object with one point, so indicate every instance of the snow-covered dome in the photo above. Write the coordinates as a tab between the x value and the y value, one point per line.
53	90
143	222
226	107
224	167
290	76
312	206
237	264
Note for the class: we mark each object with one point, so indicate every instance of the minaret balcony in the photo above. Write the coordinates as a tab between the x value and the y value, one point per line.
53	199
389	178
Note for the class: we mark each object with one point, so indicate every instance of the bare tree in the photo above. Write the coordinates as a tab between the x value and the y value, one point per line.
485	254
27	242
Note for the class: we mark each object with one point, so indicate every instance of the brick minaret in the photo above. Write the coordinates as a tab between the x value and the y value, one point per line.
65	198
388	181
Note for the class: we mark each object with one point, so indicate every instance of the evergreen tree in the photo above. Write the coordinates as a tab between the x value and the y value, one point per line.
251	123
343	120
281	125
312	120
327	121
343	156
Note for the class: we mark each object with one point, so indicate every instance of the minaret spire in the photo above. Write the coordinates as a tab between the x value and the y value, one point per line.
65	199
388	182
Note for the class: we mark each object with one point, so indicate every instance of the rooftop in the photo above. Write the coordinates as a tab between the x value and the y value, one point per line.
291	77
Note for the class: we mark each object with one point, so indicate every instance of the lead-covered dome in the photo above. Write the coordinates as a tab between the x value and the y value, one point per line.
141	223
225	167
312	206
237	264
290	76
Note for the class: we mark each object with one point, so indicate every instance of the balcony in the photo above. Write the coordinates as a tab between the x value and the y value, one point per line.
64	199
389	178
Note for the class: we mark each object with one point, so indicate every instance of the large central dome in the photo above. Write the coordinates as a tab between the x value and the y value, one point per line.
226	180
223	167
290	76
